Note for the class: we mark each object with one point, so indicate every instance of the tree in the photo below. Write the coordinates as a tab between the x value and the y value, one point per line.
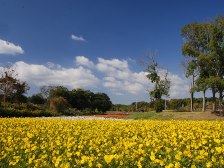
217	57
18	94
101	102
162	85
11	88
189	69
37	99
45	91
59	91
81	99
197	49
190	49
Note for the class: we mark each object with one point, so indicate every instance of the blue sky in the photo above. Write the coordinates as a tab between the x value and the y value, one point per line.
96	45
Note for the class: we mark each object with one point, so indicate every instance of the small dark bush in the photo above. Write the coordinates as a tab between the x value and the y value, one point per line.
159	106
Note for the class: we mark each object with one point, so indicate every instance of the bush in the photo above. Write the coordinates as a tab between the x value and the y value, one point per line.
12	112
159	106
37	99
72	112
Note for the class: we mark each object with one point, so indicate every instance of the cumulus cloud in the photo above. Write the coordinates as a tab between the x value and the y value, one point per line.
111	75
41	75
119	78
81	60
113	64
9	48
179	86
77	38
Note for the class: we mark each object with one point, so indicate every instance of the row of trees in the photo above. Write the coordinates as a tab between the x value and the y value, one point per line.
51	98
60	99
204	51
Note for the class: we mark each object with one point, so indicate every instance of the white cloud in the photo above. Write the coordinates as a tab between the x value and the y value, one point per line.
119	78
179	87
113	64
41	75
115	78
77	38
81	60
10	48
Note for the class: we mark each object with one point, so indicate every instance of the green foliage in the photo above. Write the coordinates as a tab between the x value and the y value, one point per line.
12	89
159	106
37	99
162	85
121	107
101	102
72	112
204	47
59	91
176	104
81	99
24	110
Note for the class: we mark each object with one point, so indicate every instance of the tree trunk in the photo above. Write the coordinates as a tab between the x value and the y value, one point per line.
204	106
213	101
192	101
165	104
192	95
220	102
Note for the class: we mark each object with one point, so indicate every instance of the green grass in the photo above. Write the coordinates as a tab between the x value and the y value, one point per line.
174	116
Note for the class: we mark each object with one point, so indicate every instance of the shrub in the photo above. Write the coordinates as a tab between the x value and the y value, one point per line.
12	112
159	106
72	112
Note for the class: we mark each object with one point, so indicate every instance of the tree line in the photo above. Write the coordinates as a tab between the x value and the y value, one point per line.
51	100
203	49
60	99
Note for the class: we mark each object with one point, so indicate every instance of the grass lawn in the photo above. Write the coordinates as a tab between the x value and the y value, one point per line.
174	116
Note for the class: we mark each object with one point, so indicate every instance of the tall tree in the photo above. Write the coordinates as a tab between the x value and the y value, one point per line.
196	48
81	99
161	84
59	91
217	46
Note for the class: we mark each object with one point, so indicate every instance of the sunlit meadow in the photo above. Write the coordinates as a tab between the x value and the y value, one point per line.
94	143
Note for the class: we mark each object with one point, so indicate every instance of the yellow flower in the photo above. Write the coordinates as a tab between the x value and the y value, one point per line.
169	166
152	157
218	149
209	164
177	165
108	158
178	157
193	166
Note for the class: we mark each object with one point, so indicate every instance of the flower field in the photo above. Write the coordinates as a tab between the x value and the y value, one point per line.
96	143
